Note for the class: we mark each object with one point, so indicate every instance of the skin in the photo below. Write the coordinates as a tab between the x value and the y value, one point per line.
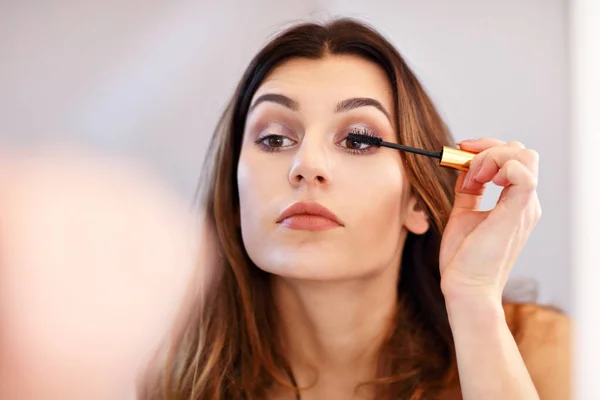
335	300
336	289
82	323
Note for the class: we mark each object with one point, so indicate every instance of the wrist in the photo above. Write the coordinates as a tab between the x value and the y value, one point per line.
471	297
482	309
460	289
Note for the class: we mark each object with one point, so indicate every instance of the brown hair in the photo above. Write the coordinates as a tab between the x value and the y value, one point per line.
227	351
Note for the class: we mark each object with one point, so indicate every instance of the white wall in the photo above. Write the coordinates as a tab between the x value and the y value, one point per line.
585	94
144	78
150	79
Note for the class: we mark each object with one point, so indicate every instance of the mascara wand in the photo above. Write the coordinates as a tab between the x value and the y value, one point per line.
449	157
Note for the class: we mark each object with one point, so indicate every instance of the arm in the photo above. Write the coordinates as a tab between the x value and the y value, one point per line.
489	362
478	251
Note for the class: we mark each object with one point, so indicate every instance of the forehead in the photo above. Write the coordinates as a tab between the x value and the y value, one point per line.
329	80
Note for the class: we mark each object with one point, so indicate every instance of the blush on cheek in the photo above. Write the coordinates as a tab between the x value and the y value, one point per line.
380	201
386	206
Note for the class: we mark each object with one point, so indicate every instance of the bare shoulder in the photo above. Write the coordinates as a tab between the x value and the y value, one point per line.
543	335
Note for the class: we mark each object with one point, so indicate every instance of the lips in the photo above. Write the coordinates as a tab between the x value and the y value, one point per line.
310	216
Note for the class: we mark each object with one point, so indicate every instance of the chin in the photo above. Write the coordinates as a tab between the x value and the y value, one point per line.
311	267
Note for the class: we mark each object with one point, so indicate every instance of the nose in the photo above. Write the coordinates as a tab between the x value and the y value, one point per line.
311	165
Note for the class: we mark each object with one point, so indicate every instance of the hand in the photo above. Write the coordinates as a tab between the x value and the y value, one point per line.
95	259
479	248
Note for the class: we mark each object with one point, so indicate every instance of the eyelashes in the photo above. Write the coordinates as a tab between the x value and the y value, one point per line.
357	147
273	142
276	142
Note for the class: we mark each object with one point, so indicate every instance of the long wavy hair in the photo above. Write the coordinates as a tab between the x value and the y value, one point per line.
227	348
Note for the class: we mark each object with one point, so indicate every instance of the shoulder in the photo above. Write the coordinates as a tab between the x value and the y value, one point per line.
528	320
543	335
536	326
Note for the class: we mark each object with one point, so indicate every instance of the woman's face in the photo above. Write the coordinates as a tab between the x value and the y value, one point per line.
295	152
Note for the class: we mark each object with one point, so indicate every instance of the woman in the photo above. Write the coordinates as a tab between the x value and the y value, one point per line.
354	272
393	292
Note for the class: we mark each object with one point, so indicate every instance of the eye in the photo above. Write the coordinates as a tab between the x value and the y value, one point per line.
273	142
353	144
355	147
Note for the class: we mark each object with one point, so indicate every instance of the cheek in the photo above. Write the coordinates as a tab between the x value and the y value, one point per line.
261	181
378	191
262	186
389	186
249	188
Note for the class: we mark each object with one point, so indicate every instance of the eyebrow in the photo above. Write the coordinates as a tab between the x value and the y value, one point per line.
277	99
357	102
342	106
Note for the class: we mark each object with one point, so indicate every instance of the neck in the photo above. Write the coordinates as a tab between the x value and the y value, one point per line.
335	329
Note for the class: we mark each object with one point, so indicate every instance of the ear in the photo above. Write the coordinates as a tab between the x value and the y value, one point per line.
416	220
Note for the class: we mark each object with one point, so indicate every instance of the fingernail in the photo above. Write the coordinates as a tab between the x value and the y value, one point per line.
471	175
466	180
466	141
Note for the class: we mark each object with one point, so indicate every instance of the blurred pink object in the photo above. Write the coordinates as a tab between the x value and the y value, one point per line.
95	259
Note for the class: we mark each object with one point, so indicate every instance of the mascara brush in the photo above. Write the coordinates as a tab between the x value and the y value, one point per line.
449	157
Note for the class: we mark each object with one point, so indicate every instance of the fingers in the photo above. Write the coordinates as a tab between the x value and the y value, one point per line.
504	164
487	165
479	145
468	199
